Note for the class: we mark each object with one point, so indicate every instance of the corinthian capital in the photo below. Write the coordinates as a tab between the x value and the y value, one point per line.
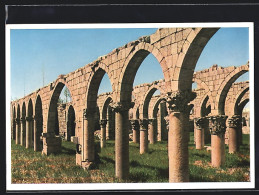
217	124
122	106
234	121
143	123
178	101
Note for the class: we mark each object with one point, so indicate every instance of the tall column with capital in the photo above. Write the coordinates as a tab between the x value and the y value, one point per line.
122	138
234	126
178	135
135	129
88	138
29	123
143	147
103	123
151	128
217	125
23	132
199	133
18	126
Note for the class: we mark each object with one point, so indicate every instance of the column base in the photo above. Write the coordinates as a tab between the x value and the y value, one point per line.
51	144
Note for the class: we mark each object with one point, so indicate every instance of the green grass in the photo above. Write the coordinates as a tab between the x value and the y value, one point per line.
33	167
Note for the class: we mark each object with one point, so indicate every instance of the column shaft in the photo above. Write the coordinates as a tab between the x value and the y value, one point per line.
178	148
17	136
23	132
121	145
88	139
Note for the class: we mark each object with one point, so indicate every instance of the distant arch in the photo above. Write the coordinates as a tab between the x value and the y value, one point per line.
226	84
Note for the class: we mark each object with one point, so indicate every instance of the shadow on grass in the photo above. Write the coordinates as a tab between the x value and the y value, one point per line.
68	151
162	173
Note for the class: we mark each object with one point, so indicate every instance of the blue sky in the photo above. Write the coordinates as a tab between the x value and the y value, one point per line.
61	51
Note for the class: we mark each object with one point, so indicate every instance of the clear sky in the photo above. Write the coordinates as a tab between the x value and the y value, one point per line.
55	52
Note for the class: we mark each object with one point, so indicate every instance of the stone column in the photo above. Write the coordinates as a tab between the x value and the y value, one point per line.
108	126
151	128
199	133
143	136
122	138
233	127
23	132
37	130
178	135
161	123
217	125
13	129
135	129
103	132
29	121
17	133
88	139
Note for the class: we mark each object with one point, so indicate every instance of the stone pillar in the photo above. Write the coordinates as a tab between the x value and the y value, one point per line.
233	127
88	139
13	129
23	132
161	123
103	123
143	136
122	138
135	129
207	136
178	135
151	128
17	132
217	125
37	130
199	133
108	125
29	122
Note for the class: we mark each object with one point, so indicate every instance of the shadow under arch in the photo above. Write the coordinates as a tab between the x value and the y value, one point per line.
38	117
70	122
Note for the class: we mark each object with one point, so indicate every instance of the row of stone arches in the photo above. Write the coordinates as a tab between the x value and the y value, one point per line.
177	51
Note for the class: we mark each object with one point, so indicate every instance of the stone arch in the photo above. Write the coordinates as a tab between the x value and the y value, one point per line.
38	117
155	107
70	122
105	107
94	84
52	112
202	109
238	98
189	55
241	106
131	66
146	101
225	86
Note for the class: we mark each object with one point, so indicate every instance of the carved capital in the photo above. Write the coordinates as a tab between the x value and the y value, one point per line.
234	121
103	122
217	124
119	106
134	124
178	101
199	122
143	124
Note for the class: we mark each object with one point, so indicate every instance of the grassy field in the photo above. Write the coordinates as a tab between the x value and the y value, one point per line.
32	167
